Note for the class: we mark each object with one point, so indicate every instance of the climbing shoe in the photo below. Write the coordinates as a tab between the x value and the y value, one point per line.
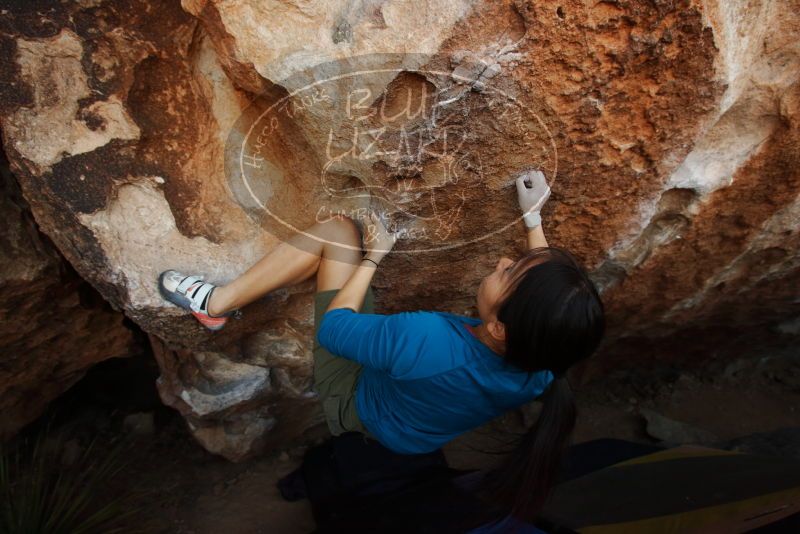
191	293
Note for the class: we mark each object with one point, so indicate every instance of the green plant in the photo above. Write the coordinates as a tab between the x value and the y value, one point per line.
41	496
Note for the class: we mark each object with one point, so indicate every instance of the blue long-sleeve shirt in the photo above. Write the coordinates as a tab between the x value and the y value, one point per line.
425	378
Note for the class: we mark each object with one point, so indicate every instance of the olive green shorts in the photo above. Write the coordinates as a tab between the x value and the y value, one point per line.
335	378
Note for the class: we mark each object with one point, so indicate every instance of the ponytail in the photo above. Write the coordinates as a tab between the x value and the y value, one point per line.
522	483
553	318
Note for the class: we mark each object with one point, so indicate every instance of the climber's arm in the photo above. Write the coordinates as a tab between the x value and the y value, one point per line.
536	237
352	293
378	241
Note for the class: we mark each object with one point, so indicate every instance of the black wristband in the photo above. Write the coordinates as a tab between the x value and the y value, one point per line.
376	263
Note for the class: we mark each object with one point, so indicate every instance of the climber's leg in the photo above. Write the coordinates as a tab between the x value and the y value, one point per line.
338	263
324	250
335	378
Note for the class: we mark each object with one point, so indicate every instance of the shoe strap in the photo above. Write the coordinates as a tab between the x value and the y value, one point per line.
197	296
184	284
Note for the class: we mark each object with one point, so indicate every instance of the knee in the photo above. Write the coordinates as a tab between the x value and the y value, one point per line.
343	229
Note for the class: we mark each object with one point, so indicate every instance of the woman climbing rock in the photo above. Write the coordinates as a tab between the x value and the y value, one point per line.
415	380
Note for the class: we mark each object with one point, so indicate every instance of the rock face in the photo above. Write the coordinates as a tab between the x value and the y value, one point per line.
53	324
148	135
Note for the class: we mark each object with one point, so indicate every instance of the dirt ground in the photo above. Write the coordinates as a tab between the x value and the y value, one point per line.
184	490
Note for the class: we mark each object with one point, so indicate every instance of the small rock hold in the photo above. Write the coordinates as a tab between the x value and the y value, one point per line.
733	369
686	381
284	457
675	432
342	32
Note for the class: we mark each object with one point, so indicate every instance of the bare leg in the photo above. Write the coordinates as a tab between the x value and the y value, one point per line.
295	261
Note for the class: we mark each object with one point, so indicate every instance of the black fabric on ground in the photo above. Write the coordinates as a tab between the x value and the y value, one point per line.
341	475
432	506
293	486
356	484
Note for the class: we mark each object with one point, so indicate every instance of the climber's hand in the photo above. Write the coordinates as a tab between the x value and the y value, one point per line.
378	241
532	191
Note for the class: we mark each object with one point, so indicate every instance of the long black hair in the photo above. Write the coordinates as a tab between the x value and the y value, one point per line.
553	318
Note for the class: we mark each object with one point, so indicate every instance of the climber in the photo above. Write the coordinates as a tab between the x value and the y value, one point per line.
416	380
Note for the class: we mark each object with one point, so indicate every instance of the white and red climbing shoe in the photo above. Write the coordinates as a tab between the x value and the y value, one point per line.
191	293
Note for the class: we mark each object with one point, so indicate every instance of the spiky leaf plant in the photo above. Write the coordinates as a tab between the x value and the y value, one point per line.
38	495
